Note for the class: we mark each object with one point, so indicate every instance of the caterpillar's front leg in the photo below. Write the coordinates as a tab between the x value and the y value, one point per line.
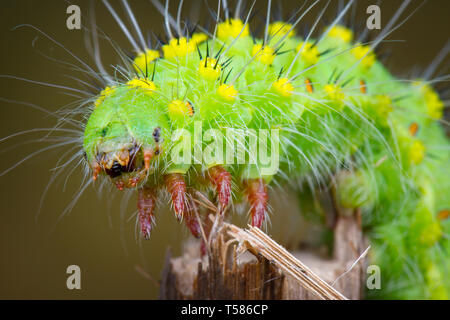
146	207
256	192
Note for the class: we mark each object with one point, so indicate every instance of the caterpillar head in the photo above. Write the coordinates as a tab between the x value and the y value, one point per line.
121	142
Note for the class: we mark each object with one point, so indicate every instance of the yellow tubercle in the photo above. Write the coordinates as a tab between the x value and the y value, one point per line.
108	91
309	54
148	86
416	152
231	28
334	92
178	48
265	54
431	234
144	58
383	106
209	69
283	87
341	32
280	29
228	92
435	106
436	282
198	38
366	54
179	109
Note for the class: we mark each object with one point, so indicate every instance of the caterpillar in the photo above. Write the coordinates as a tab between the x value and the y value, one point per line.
230	112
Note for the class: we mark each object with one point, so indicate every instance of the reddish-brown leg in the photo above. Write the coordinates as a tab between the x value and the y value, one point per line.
146	207
221	180
256	191
176	186
190	218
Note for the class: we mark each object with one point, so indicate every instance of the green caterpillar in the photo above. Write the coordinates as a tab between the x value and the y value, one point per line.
329	111
337	113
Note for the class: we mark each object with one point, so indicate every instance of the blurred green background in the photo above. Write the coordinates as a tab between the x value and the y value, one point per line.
97	235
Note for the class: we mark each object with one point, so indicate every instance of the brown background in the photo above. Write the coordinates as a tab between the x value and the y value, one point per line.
34	253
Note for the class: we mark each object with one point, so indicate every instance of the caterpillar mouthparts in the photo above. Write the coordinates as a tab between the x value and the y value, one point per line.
123	170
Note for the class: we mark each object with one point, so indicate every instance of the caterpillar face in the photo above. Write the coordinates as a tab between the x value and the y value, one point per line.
120	143
122	162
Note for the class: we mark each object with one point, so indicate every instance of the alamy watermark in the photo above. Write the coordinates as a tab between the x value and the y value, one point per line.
374	277
74	280
374	20
73	21
259	147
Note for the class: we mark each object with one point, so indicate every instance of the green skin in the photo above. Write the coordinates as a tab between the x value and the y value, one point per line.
399	199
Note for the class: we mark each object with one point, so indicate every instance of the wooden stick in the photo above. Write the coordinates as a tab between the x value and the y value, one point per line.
257	242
